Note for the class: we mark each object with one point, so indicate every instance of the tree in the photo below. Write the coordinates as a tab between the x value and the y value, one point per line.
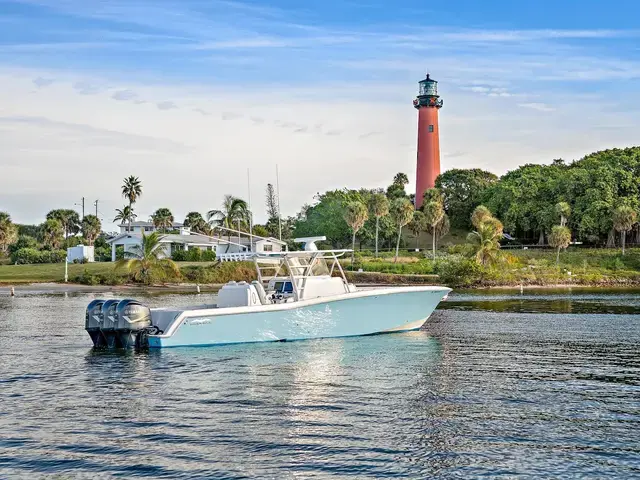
273	213
434	215
485	240
563	210
91	228
261	231
125	215
8	232
560	237
379	207
396	189
355	215
624	217
417	225
463	190
146	263
52	234
196	223
69	219
234	214
162	219
131	190
402	212
479	215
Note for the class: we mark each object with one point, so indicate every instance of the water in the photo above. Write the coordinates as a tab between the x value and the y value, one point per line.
494	386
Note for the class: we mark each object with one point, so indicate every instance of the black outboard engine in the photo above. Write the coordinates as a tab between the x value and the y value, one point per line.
93	322
132	320
109	323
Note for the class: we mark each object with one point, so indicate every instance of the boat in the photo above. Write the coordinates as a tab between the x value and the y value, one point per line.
298	295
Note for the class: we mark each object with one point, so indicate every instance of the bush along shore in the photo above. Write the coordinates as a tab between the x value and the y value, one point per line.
588	267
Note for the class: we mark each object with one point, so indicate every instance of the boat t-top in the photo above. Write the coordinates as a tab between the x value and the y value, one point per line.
298	295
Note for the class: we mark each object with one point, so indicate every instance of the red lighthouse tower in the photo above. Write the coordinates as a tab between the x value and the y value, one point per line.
428	102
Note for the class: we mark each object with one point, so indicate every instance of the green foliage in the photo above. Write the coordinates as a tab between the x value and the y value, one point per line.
69	220
162	219
25	256
132	189
559	238
51	234
234	213
401	212
8	232
91	227
220	273
125	215
485	240
463	190
458	271
23	241
145	262
193	255
196	223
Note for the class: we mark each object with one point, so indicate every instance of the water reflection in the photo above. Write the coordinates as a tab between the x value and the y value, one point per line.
491	387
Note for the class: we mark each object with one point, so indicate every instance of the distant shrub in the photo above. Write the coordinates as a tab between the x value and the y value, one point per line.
179	255
458	271
24	241
220	273
26	256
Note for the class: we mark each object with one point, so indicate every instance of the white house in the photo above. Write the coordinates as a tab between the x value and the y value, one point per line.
190	240
148	227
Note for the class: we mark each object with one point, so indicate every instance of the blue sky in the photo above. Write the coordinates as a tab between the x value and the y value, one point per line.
199	87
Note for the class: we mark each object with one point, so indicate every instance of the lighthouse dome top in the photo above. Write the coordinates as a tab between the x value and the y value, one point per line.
428	86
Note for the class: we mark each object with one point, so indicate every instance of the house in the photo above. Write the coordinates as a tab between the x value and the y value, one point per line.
189	240
148	227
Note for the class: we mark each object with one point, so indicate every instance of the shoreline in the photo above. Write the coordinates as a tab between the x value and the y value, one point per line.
44	288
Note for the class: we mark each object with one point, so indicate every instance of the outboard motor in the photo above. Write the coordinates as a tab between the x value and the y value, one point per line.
109	322
93	322
132	319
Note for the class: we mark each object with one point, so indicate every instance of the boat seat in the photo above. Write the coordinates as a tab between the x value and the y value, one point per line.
262	295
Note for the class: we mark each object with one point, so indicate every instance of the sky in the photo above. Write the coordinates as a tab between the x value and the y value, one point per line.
190	95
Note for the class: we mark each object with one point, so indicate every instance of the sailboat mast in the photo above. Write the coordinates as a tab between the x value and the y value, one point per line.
278	197
250	214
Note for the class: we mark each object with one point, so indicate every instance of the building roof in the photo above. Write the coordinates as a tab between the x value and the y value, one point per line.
174	238
140	223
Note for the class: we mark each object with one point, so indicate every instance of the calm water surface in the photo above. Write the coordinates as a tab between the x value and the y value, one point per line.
498	384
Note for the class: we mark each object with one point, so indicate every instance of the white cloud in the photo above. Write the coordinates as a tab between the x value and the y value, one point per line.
541	107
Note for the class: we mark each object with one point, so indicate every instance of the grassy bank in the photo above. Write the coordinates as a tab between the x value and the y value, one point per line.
513	268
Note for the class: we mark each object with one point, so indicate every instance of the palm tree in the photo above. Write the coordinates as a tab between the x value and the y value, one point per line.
131	190
196	223
402	212
355	215
162	218
8	231
234	213
479	215
51	232
563	210
69	219
434	214
125	215
91	228
486	240
624	217
379	206
560	237
146	263
417	225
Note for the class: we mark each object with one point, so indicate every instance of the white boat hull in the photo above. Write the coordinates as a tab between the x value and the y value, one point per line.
362	313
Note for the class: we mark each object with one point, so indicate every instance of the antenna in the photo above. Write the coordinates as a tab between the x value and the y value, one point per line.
250	214
81	205
278	200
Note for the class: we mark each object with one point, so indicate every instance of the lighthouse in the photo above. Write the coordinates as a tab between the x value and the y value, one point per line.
428	102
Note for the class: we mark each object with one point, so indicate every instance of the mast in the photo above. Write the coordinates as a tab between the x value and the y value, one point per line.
250	214
278	200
